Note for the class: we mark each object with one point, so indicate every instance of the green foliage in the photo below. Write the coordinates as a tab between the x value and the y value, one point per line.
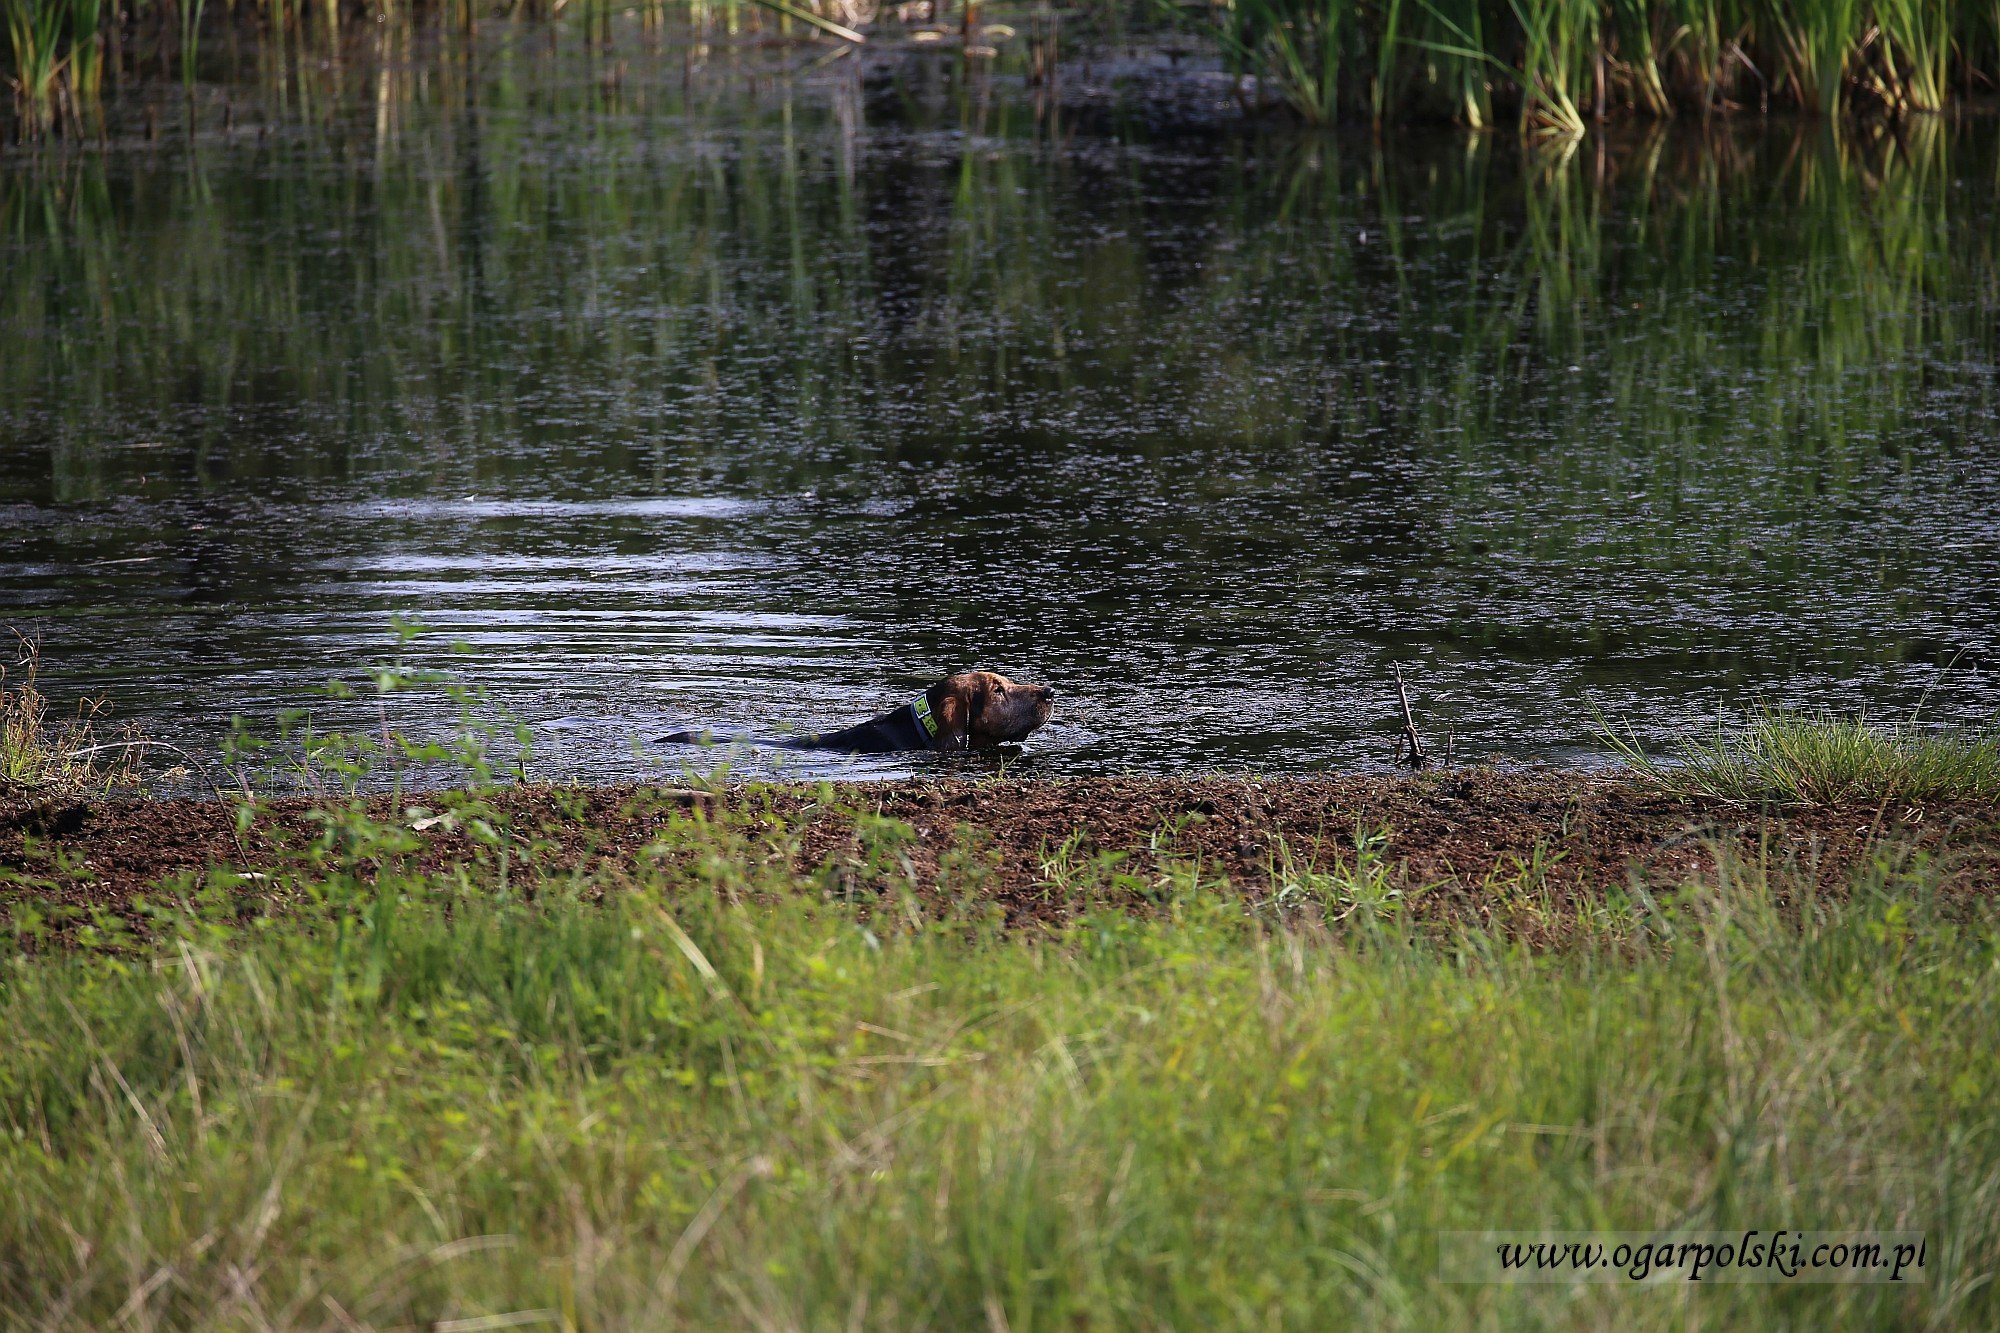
1561	60
1909	67
86	20
692	1089
35	31
1553	61
1821	759
1559	48
1453	42
57	51
1358	885
190	22
1296	44
1636	32
1814	40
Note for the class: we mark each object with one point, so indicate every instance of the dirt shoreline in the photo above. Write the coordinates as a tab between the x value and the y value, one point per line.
1473	839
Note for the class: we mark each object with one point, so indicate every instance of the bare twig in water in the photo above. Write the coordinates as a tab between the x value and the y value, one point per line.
148	744
1410	749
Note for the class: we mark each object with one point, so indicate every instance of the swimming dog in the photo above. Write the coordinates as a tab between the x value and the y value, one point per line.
972	710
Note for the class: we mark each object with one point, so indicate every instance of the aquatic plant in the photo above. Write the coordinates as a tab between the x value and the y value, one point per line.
1559	41
35	30
1699	38
1556	64
1636	30
57	48
1559	48
1453	36
1908	67
1787	758
190	23
1296	44
1565	62
1814	40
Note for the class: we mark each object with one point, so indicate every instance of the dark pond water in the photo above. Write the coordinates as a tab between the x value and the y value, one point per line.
761	400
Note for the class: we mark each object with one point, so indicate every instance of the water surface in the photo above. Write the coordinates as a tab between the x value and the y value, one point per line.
762	401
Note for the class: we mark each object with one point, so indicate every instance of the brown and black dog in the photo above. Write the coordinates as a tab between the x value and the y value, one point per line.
972	710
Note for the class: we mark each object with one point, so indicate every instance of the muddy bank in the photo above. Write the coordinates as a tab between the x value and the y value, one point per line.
1476	841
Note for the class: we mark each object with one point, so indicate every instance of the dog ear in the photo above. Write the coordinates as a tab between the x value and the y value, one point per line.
948	706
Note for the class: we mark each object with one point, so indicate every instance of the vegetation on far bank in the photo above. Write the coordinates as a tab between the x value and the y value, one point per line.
1550	66
1554	66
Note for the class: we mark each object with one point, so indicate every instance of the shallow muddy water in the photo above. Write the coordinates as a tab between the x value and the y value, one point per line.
697	397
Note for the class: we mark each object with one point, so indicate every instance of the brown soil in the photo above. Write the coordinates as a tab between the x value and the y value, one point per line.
1475	840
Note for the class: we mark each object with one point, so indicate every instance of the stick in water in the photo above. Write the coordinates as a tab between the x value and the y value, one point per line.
1410	739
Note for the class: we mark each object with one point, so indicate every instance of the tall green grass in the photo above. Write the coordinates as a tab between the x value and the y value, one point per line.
56	52
1453	42
1557	51
1296	44
35	32
1809	759
1554	64
1909	66
1814	43
1559	48
1639	37
689	1089
1562	63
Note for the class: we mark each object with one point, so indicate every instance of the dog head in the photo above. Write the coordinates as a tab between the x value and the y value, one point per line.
980	709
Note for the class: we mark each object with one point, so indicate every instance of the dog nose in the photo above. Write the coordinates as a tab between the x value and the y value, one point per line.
1048	694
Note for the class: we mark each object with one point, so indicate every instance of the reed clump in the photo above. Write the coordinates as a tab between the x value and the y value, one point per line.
1558	65
42	755
1551	66
58	52
1822	759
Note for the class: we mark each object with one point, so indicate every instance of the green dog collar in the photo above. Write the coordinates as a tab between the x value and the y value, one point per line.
921	708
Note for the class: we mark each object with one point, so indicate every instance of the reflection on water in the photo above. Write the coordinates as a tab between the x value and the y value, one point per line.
768	406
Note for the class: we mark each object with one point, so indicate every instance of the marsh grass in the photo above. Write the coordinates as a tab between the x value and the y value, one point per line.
1297	45
1563	63
1816	759
1557	64
696	1087
35	32
1814	43
1908	69
42	754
